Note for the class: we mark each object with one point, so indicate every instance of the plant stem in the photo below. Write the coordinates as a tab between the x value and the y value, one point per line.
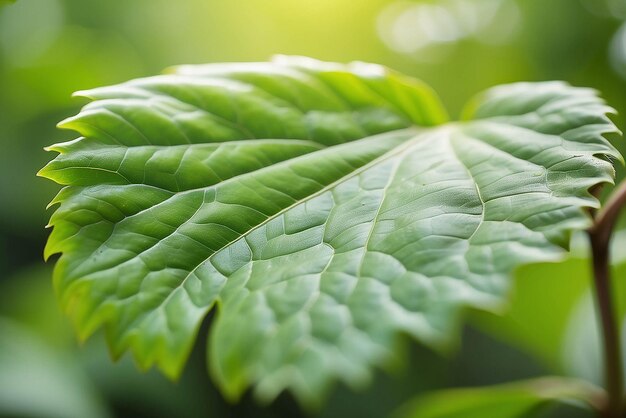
607	217
600	238
610	335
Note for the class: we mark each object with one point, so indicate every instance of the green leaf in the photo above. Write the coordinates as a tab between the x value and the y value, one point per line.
513	400
325	208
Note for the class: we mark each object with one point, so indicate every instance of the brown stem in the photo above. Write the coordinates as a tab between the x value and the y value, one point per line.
600	238
610	335
607	217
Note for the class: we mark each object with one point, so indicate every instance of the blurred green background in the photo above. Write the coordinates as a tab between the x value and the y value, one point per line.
51	48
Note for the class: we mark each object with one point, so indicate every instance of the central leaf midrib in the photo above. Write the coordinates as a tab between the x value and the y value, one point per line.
384	156
389	154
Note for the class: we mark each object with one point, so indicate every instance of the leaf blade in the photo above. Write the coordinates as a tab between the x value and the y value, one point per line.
302	198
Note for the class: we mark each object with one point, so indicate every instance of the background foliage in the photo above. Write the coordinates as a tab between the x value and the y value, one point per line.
50	48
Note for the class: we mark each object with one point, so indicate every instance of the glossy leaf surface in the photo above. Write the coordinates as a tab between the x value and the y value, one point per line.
325	208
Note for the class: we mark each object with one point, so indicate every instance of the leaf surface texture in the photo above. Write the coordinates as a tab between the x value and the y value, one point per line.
325	208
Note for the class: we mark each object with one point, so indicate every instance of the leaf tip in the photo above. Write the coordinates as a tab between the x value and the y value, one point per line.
83	94
49	250
46	173
67	123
